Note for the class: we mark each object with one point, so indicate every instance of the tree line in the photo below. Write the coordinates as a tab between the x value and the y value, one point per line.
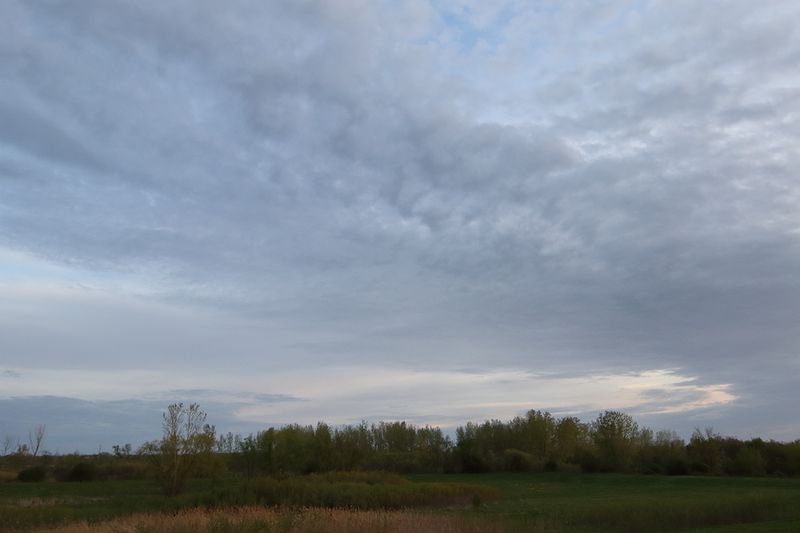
537	441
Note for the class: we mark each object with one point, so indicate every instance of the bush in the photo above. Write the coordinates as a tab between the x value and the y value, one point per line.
122	470
82	472
405	462
748	462
589	461
472	463
699	467
677	466
519	461
33	474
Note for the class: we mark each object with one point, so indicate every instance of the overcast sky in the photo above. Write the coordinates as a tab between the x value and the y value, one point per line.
424	210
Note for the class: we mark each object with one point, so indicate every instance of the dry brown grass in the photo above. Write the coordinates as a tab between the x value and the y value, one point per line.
261	519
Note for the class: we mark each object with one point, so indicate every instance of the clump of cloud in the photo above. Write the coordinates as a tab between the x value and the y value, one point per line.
596	187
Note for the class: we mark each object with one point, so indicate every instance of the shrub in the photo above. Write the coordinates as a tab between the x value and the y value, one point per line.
33	474
589	461
122	470
552	465
472	463
748	462
315	491
519	461
83	471
699	467
677	466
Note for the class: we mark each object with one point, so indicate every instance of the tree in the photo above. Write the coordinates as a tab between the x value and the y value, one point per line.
187	443
705	452
122	450
35	439
539	432
8	445
247	455
569	436
615	434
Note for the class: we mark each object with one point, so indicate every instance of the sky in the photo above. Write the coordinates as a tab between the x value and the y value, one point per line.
432	211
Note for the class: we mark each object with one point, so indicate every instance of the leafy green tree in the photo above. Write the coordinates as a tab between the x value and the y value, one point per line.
188	442
246	459
353	445
615	435
323	447
266	446
294	449
705	452
540	434
570	434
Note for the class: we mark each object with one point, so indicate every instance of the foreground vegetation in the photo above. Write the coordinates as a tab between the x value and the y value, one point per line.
264	520
443	502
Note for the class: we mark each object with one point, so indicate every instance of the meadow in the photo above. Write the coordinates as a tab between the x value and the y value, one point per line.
389	502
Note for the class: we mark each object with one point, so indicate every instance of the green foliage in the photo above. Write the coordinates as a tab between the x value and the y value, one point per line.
83	471
519	461
536	442
320	491
705	452
122	469
615	435
749	462
33	474
185	448
296	449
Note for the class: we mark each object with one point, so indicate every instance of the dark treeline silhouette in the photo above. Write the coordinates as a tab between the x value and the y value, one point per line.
536	442
613	442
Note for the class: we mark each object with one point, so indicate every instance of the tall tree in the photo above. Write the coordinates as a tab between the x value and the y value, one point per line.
187	442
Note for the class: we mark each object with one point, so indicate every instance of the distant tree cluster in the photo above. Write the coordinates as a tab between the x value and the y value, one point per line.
613	442
390	446
31	448
537	441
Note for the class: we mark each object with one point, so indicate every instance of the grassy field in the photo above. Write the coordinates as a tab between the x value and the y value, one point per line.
612	502
480	502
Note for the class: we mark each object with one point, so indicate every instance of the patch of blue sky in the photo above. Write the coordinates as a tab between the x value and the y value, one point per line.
468	31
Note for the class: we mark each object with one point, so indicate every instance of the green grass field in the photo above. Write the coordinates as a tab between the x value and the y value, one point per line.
520	502
613	502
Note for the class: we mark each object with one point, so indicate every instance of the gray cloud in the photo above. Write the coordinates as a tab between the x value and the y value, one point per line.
597	187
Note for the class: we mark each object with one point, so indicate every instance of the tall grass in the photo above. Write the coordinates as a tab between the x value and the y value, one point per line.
356	490
264	520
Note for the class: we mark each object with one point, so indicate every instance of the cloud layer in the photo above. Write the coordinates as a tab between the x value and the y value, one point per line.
442	188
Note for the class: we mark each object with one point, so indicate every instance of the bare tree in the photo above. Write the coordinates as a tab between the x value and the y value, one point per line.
8	444
35	439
